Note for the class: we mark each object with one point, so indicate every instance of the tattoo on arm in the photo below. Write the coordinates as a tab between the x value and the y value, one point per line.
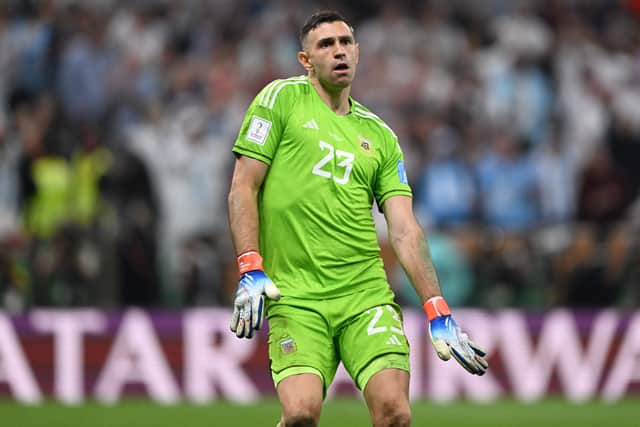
430	271
414	256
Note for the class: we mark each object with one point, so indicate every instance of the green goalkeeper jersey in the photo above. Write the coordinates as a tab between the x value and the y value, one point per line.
317	234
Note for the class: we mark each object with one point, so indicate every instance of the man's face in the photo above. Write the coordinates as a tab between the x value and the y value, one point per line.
331	54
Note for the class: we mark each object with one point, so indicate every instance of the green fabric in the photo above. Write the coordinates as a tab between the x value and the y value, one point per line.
66	192
355	329
294	370
49	207
387	361
317	234
88	169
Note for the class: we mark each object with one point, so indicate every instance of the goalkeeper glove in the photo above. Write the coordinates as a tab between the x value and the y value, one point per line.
254	284
449	340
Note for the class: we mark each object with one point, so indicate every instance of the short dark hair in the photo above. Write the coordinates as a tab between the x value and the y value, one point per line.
320	18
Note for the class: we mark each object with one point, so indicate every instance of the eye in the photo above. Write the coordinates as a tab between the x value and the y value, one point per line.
326	43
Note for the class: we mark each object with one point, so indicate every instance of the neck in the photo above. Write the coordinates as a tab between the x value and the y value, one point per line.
336	99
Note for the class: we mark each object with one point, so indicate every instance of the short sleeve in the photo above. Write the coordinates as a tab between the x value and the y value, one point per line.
391	179
262	127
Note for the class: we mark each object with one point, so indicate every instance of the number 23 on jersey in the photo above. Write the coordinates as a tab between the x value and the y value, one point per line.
344	162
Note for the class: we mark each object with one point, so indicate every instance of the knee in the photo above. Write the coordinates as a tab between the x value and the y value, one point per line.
300	408
300	420
301	416
392	414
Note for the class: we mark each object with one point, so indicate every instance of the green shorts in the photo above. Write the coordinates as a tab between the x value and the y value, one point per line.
363	330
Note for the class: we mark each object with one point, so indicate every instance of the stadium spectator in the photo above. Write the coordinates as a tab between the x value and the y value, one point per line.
9	155
605	193
556	177
562	76
509	195
447	190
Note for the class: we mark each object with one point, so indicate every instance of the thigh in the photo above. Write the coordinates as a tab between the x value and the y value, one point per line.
387	394
301	395
300	343
372	341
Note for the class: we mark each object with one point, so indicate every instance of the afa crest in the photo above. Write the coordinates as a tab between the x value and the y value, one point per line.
366	145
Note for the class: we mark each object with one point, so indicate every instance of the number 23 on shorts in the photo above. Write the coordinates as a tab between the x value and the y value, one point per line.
384	318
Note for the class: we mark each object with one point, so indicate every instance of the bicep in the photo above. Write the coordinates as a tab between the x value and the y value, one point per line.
248	173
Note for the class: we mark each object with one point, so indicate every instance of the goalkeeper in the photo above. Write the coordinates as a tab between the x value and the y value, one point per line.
310	162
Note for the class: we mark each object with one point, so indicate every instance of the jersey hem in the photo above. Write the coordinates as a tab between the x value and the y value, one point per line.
315	295
254	155
390	193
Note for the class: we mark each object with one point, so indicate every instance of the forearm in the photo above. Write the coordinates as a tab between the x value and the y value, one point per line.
243	219
413	254
254	284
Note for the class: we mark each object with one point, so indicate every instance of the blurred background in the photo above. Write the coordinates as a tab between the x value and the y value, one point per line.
520	123
519	120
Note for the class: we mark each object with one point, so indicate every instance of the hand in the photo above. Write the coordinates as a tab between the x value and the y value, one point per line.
449	340
248	306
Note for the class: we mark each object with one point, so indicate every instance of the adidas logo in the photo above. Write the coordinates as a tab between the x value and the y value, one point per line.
311	124
393	340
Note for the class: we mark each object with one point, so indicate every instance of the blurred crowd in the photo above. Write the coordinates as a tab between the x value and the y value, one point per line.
520	123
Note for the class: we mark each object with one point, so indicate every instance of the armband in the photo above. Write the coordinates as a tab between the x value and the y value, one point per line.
436	307
249	261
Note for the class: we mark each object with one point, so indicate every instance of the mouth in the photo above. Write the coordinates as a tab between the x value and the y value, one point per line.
341	67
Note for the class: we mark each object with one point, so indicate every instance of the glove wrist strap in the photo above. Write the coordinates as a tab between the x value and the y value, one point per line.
436	307
249	261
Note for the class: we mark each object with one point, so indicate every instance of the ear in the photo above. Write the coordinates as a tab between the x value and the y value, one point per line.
357	58
303	59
